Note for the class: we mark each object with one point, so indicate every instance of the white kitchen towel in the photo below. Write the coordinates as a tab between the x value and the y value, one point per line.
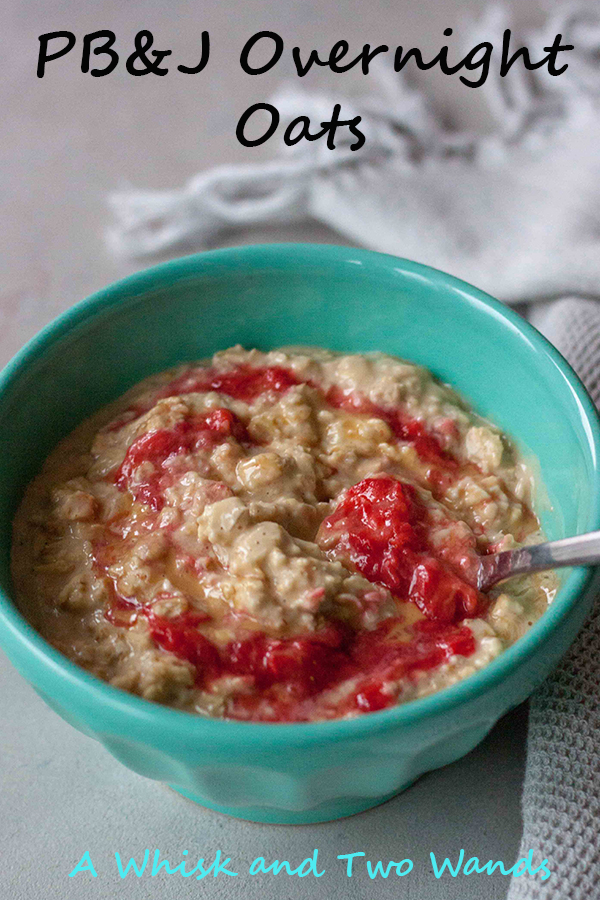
517	212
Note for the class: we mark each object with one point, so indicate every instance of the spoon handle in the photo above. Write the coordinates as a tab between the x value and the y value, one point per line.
581	550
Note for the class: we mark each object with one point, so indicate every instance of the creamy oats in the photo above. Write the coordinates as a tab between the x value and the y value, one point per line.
283	536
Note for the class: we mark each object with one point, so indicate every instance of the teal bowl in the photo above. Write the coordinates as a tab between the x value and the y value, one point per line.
344	299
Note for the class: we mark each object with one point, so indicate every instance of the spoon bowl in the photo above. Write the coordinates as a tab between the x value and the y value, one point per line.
581	550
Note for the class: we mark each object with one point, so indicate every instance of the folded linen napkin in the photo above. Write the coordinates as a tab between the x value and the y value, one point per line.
516	212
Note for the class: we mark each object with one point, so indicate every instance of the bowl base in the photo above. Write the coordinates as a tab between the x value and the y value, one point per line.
325	812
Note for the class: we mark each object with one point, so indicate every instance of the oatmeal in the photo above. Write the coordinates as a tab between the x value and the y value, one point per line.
282	536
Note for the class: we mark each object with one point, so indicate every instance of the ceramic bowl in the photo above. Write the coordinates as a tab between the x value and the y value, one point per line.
344	299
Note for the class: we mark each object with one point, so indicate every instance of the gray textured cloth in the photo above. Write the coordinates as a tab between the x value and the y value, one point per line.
561	796
516	212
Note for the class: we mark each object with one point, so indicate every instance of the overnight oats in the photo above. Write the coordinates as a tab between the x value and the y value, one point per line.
279	537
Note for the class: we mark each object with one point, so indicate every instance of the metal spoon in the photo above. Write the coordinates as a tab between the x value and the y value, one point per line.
582	550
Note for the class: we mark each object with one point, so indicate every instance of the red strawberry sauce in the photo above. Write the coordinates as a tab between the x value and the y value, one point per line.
284	677
379	528
246	383
242	383
159	447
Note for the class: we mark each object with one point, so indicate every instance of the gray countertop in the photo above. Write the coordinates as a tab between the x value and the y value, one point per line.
63	794
65	142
